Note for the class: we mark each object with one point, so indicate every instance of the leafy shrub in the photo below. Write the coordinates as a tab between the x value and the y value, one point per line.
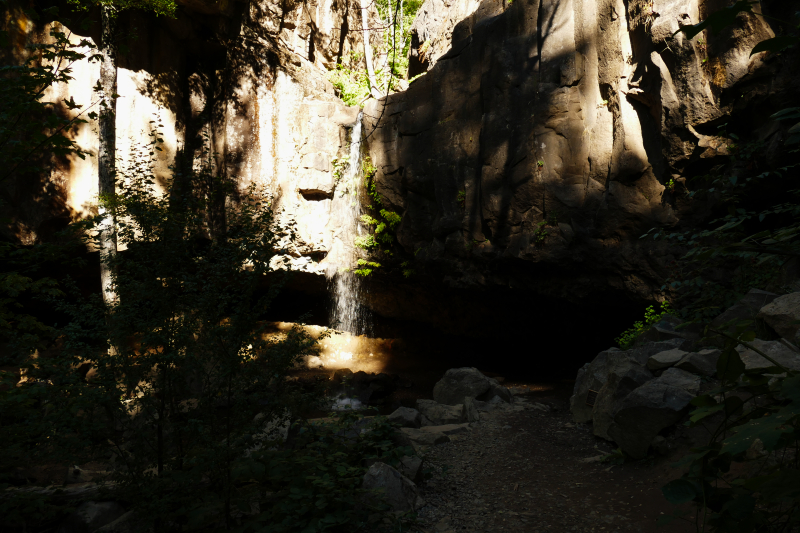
651	316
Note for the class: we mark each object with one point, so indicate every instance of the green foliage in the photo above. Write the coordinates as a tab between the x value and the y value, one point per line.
461	198
382	227
366	267
747	478
540	234
351	83
628	337
159	7
349	78
391	218
340	165
366	242
407	270
757	229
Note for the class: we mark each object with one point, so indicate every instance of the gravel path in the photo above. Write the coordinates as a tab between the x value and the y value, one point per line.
524	468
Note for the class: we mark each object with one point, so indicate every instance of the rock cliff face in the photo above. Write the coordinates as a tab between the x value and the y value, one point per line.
241	83
537	150
545	137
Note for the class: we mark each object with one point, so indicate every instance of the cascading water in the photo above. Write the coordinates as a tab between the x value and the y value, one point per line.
347	289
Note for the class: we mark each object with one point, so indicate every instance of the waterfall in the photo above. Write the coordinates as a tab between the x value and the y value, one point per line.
346	288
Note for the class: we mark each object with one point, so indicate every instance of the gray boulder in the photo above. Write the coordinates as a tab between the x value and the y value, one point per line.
665	329
650	408
624	375
426	436
592	376
91	516
774	349
664	360
394	488
440	414
471	410
783	315
124	524
745	309
595	374
406	417
675	377
643	352
411	467
703	363
496	390
458	383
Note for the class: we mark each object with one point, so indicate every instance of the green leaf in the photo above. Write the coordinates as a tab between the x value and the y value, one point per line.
730	365
776	44
679	491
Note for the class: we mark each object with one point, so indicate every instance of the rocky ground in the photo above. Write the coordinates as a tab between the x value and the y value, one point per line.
526	467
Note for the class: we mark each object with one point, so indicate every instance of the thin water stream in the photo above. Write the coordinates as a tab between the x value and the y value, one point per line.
346	288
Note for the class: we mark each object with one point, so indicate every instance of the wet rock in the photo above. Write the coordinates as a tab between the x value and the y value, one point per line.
395	489
440	414
783	315
458	383
666	359
650	408
703	363
406	417
624	375
774	349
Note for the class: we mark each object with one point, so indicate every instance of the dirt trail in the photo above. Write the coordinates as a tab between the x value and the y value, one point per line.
522	469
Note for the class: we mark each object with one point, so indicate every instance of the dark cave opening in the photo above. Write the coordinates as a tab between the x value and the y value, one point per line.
526	337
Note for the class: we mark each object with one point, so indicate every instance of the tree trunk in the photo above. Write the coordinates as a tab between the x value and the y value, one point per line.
373	87
107	150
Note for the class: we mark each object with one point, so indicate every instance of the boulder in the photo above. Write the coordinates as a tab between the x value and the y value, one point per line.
774	349
471	410
458	383
783	315
411	467
745	309
91	516
624	375
406	417
665	329
420	437
592	376
124	524
393	487
643	352
440	414
703	363
650	408
664	360
496	390
595	374
675	377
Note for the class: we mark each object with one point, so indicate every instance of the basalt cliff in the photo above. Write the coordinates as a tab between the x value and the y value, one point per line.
542	139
